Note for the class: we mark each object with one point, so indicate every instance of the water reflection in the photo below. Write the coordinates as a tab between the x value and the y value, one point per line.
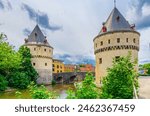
58	89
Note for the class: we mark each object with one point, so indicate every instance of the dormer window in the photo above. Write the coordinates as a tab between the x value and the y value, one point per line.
35	34
118	18
104	29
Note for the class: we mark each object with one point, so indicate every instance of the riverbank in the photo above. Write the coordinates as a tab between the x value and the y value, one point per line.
59	89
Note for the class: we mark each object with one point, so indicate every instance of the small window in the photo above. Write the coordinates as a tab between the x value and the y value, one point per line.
127	40
109	41
95	45
33	64
101	43
117	58
53	69
61	71
57	66
134	40
45	50
53	65
34	49
118	40
100	61
57	71
45	64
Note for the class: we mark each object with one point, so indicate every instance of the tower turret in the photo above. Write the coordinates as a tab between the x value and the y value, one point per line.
116	38
42	54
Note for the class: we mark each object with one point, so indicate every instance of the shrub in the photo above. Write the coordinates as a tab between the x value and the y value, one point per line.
85	90
40	92
3	83
18	80
121	78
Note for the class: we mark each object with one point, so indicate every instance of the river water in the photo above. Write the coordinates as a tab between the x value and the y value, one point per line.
58	89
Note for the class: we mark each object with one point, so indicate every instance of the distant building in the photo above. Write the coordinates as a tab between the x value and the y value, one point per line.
69	68
42	54
116	38
86	68
58	66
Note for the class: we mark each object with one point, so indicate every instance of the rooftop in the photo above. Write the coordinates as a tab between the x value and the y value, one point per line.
37	37
115	22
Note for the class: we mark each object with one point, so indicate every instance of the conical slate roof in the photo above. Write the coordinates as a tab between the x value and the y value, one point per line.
37	37
116	22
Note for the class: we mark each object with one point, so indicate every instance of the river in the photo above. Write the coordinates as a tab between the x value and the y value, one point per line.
58	89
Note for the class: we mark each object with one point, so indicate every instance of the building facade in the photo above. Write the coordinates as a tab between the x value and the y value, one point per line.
116	38
87	68
58	66
69	68
42	54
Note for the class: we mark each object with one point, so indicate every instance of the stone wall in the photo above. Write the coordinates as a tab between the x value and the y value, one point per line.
111	45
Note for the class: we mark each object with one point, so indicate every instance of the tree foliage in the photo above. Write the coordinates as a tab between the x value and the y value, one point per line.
9	58
15	67
147	67
18	80
26	65
40	92
85	90
121	78
3	83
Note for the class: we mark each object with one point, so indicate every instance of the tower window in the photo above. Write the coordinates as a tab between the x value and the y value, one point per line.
53	65
101	43
45	50
95	45
117	58
100	61
45	64
33	64
134	40
109	41
34	49
118	40
127	40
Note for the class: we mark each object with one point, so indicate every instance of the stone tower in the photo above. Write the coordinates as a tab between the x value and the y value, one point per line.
42	54
116	38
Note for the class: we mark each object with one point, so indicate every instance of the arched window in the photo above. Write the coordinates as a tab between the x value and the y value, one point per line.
45	64
101	43
134	40
127	40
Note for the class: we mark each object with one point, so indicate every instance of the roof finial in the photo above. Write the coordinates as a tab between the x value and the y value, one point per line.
115	3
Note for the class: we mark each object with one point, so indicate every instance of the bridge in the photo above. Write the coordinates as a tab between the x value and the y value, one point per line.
69	77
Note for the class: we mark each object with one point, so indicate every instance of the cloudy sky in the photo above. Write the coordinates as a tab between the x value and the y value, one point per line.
71	25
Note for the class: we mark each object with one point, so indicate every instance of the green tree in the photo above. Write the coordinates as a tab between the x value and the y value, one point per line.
85	90
121	78
147	67
9	58
3	83
18	80
26	65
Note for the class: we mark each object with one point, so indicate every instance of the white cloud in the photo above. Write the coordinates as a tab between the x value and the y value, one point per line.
81	21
